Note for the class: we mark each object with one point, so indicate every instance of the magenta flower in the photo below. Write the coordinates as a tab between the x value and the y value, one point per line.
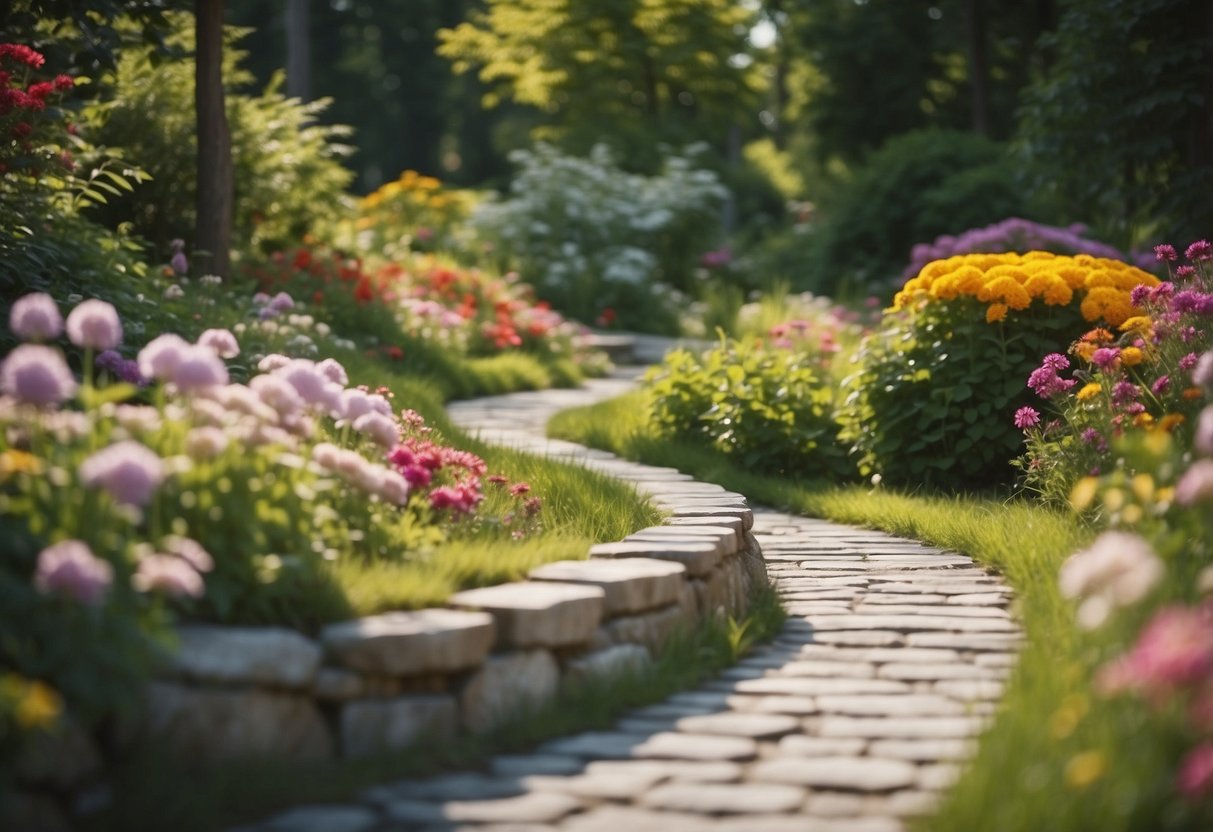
1200	250
1160	385
1105	358
221	341
1195	778
1165	252
71	569
1196	484
1124	392
119	367
160	357
168	574
198	368
129	471
35	317
37	375
1026	417
94	324
1044	380
1175	649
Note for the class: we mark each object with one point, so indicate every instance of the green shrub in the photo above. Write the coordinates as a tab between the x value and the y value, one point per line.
769	408
916	187
286	168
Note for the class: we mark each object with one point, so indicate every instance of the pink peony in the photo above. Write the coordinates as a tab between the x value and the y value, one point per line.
37	375
221	341
70	568
159	359
94	324
129	471
35	317
168	574
1116	570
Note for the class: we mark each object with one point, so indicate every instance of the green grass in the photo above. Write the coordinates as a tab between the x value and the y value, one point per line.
150	791
1056	757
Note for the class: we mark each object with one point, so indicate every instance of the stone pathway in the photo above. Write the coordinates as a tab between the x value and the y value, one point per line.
854	718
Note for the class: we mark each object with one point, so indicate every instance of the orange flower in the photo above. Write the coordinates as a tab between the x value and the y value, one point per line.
996	313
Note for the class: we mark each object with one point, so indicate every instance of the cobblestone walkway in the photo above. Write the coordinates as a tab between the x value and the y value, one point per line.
852	720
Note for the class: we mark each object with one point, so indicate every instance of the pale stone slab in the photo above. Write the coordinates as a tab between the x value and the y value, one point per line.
860	638
726	538
928	751
538	613
800	745
877	655
911	623
913	704
411	643
507	686
744	514
790	705
595	745
649	629
865	774
630	585
270	656
807	823
732	724
335	684
620	785
816	686
682	746
970	690
209	725
993	642
374	726
936	672
616	818
938	776
698	558
723	798
711	771
851	669
609	663
900	728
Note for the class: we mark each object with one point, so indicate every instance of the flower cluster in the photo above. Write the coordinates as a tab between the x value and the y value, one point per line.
26	142
1013	234
413	213
1006	282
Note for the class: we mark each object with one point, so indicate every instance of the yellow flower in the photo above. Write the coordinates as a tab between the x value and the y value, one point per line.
1108	303
1083	493
1171	421
35	704
1143	420
969	279
996	312
1085	768
1140	324
1084	350
18	462
1089	390
1008	290
1143	486
945	287
1131	356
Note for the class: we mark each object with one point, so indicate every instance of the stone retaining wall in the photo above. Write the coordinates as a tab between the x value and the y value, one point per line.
381	683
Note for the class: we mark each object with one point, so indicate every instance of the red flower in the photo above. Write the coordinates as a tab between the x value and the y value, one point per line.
303	259
393	352
21	54
40	91
318	298
64	82
22	130
363	292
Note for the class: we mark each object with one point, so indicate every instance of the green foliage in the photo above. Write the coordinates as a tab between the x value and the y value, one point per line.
1117	127
916	187
287	170
771	409
933	391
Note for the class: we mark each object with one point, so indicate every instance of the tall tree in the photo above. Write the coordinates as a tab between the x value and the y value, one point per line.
213	234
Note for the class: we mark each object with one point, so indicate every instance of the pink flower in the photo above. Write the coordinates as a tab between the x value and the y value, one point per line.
354	403
37	375
1026	417
70	568
278	394
168	574
94	324
310	384
281	302
205	442
35	317
331	369
1175	649
190	551
1165	253
160	357
1105	358
1200	250
382	430
1203	373
1116	570
198	368
1160	385
394	488
129	471
221	341
1204	431
1195	779
272	362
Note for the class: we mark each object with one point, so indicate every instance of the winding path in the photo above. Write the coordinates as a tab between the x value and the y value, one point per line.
851	720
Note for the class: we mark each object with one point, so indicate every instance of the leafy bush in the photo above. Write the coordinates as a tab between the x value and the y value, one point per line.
1139	382
591	236
286	167
769	408
935	387
917	186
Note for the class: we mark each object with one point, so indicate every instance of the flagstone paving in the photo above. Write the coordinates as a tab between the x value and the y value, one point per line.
852	719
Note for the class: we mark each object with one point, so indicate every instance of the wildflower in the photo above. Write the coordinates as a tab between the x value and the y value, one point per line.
38	705
1044	380
383	430
1193	393
35	317
1026	417
1117	570
1089	391
94	324
178	262
332	370
498	480
310	384
1165	253
121	368
221	341
129	471
394	488
1125	392
1106	358
70	568
1200	250
168	574
281	302
1204	431
1160	385
1202	374
37	375
160	357
205	442
1196	484
272	362
1131	356
197	368
1195	778
1185	271
1174	649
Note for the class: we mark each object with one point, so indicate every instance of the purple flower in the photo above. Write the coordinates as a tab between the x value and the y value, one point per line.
1139	294
1204	431
1185	271
393	488
1044	380
331	369
159	359
1056	362
1160	385
37	375
310	383
1196	485
382	430
272	362
198	367
1026	417
94	324
1203	372
35	317
119	367
168	574
354	403
281	302
278	394
1188	361
1165	252
179	264
221	341
129	471
1200	250
1105	358
70	568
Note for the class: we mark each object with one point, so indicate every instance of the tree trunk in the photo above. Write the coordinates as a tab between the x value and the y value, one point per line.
979	65
214	225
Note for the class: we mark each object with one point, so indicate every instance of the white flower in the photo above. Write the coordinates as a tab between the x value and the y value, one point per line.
1117	570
